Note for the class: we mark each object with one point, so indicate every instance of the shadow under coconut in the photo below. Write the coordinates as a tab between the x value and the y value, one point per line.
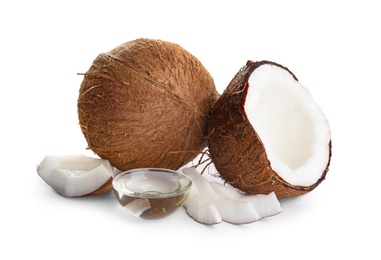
106	201
297	204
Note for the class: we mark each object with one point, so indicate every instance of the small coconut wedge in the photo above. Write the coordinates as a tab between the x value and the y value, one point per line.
76	175
200	209
231	210
266	205
267	134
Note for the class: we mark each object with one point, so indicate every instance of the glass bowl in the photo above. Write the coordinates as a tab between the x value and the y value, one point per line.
151	193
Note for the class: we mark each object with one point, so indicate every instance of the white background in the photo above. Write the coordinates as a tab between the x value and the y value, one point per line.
333	47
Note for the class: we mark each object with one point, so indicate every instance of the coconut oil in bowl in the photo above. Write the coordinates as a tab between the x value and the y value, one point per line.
151	193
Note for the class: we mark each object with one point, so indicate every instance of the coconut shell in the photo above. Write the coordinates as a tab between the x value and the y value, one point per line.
146	104
105	188
236	149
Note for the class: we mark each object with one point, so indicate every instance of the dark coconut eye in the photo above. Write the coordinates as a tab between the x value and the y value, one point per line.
268	134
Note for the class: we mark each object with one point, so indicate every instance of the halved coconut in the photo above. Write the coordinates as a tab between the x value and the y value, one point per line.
267	134
76	175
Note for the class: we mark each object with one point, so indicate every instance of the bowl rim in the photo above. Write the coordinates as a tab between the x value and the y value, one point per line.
184	189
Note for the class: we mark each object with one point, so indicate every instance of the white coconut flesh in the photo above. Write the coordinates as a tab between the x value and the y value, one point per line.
266	205
210	203
291	126
74	175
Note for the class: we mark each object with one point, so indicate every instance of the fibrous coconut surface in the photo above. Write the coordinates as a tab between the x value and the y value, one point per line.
268	134
146	104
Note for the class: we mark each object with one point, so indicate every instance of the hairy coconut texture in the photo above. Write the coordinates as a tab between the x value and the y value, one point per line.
267	134
146	104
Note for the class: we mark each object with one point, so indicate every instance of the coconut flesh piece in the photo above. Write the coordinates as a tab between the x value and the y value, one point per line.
200	208
232	207
267	134
232	211
76	175
292	127
205	200
266	205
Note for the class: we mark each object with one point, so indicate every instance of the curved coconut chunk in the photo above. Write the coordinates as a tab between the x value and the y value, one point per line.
231	210
226	191
236	211
202	211
292	127
200	182
74	175
200	208
266	205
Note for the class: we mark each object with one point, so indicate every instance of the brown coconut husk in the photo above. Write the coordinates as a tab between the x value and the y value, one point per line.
146	104
236	149
105	188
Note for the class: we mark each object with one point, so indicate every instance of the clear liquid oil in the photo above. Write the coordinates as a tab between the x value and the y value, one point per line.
151	195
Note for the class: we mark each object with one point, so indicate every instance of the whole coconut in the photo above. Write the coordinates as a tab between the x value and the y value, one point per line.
146	104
